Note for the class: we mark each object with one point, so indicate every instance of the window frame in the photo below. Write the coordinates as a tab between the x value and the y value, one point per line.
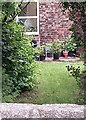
37	17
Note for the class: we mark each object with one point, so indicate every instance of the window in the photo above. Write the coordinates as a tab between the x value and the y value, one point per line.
29	17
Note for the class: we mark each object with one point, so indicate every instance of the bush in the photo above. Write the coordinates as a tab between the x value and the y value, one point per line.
69	44
75	72
18	61
56	46
80	79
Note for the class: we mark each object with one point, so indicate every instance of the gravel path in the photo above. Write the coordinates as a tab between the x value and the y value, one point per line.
14	110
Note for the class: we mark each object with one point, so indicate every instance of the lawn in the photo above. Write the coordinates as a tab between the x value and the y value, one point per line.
55	85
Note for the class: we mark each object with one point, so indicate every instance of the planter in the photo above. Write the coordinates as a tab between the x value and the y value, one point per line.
61	54
65	53
42	57
71	53
37	58
49	54
56	55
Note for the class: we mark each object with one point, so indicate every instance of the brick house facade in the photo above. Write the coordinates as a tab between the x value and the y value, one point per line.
53	22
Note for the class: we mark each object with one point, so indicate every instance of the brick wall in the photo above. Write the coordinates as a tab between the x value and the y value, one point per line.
54	24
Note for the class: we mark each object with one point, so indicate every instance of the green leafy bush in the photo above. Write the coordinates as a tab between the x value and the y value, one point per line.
56	46
69	44
39	50
80	78
18	61
75	72
48	47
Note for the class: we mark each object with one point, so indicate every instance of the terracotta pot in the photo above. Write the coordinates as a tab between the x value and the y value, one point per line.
65	53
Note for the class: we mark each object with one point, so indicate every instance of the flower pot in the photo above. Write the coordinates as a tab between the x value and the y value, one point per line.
49	54
65	53
61	54
71	53
37	58
56	55
42	57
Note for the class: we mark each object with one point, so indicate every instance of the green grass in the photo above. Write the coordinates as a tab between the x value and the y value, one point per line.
55	85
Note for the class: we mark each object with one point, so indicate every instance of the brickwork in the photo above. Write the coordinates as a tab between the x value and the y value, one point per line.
54	24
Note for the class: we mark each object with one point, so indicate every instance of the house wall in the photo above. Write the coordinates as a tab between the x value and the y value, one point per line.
54	24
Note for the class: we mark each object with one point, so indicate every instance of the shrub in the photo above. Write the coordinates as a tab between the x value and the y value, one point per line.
69	44
56	46
39	50
76	73
18	61
48	47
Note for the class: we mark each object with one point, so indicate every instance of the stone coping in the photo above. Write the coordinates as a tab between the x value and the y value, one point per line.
19	110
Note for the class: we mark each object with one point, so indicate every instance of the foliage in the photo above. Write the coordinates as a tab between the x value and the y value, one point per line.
48	47
56	46
55	86
77	40
9	11
69	44
76	73
49	44
77	13
83	55
18	56
39	50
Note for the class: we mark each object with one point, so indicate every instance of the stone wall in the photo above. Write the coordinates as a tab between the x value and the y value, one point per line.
44	111
54	24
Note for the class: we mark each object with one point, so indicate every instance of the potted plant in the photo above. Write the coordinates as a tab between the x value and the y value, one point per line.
69	46
48	49
39	53
65	49
65	53
56	48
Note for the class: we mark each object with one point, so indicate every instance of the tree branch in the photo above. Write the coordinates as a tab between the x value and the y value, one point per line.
13	17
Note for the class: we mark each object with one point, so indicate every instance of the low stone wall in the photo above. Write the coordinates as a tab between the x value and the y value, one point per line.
10	110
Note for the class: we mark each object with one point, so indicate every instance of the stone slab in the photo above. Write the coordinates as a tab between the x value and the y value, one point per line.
15	110
63	59
69	59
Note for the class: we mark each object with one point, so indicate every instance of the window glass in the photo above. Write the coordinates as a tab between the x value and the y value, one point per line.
29	9
30	24
29	16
